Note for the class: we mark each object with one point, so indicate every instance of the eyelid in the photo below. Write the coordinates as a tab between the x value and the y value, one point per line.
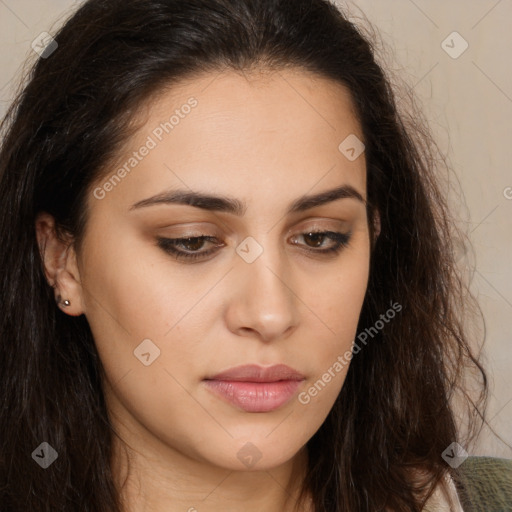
320	224
341	240
209	229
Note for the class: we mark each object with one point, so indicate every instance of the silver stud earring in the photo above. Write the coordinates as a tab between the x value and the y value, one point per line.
63	303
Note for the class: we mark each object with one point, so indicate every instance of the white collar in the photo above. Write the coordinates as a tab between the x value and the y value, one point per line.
444	498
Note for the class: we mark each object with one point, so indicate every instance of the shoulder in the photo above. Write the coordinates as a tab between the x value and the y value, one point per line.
479	484
485	484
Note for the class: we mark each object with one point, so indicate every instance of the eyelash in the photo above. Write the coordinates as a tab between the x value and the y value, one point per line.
169	244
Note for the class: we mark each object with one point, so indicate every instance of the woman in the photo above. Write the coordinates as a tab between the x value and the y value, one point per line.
229	281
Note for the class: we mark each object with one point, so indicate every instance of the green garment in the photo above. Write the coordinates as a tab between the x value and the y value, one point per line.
484	484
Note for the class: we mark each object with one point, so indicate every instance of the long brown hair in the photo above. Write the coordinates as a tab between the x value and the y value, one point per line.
393	413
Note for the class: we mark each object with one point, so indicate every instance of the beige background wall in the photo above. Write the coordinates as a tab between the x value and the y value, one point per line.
468	100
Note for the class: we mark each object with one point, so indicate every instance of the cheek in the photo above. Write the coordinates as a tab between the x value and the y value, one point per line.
338	295
147	333
133	293
335	303
121	291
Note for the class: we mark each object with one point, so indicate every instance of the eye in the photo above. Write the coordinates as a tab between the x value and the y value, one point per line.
191	245
338	241
189	248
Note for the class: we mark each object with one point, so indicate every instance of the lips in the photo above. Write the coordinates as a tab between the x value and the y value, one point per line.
255	373
254	388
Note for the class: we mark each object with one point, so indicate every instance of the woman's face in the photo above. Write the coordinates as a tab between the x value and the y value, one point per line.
256	162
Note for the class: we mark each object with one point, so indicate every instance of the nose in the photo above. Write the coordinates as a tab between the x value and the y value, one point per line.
263	302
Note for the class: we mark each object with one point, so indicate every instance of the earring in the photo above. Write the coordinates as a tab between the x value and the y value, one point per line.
63	303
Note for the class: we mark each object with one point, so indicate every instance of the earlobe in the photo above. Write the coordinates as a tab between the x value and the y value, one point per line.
60	265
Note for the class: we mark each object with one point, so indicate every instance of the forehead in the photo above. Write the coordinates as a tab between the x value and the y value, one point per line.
249	103
263	99
259	130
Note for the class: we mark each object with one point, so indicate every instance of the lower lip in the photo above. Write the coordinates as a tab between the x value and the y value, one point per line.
255	396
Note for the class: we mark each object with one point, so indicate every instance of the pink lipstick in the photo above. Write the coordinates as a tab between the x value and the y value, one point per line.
256	388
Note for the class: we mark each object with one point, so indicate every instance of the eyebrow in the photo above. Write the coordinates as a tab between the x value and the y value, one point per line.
236	207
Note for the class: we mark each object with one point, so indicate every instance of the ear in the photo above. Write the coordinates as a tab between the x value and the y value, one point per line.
60	264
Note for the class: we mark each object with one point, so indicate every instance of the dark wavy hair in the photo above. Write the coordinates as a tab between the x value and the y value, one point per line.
395	412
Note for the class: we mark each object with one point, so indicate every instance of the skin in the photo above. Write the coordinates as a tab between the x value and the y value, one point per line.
266	139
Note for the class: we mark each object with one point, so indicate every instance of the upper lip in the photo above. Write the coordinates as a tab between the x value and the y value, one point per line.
256	373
